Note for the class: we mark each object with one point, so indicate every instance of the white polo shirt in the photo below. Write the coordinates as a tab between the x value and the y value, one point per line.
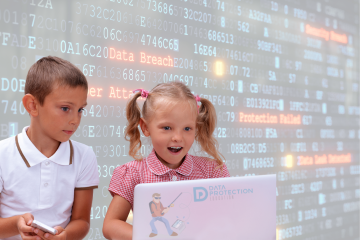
32	183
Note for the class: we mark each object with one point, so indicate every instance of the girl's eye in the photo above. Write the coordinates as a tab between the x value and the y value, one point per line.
65	109
187	129
81	110
167	128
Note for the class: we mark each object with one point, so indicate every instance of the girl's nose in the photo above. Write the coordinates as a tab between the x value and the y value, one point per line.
177	137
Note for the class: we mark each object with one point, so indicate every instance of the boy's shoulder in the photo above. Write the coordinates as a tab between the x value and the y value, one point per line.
7	150
6	143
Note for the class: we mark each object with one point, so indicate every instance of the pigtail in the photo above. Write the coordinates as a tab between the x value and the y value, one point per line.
206	123
132	133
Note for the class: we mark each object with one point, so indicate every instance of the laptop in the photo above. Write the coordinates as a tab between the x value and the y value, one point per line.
221	208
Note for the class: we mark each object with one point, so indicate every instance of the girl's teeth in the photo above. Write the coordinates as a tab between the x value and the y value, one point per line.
175	149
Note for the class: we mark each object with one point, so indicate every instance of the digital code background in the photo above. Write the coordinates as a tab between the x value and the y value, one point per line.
282	75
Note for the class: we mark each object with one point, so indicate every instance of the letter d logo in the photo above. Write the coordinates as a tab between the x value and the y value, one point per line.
200	194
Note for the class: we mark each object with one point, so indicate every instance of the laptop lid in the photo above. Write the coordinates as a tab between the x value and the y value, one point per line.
221	208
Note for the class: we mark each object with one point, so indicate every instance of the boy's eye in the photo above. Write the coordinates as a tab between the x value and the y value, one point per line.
166	128
65	109
187	129
81	110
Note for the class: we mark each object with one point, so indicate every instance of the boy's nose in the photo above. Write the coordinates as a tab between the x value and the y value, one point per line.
75	119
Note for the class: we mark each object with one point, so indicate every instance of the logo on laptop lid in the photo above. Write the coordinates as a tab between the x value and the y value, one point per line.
200	194
218	192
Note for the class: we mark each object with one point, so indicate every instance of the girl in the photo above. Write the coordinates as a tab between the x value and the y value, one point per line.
173	119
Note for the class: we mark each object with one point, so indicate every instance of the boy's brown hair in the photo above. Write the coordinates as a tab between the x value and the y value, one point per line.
49	72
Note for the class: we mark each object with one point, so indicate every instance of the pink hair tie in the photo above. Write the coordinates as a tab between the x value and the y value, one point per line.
198	99
144	93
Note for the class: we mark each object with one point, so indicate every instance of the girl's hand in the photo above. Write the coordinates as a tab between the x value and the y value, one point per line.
60	234
24	228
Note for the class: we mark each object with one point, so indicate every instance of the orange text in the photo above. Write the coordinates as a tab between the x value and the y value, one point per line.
119	93
341	38
323	159
333	158
258	118
318	32
268	118
161	61
94	92
290	119
121	55
322	33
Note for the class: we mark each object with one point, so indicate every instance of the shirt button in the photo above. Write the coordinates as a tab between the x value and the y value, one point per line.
46	184
174	178
47	163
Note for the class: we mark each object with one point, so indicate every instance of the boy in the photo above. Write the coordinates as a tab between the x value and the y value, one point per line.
44	175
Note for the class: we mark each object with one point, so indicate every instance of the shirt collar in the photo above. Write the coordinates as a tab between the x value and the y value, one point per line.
32	156
158	168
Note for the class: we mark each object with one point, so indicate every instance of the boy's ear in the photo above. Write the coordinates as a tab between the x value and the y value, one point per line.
144	127
31	104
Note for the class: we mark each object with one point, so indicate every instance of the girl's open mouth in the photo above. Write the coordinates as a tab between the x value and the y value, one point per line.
174	149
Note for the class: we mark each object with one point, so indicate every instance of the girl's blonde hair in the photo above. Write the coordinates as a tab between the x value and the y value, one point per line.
172	93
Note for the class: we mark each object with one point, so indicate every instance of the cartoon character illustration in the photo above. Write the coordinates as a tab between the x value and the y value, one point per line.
157	212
